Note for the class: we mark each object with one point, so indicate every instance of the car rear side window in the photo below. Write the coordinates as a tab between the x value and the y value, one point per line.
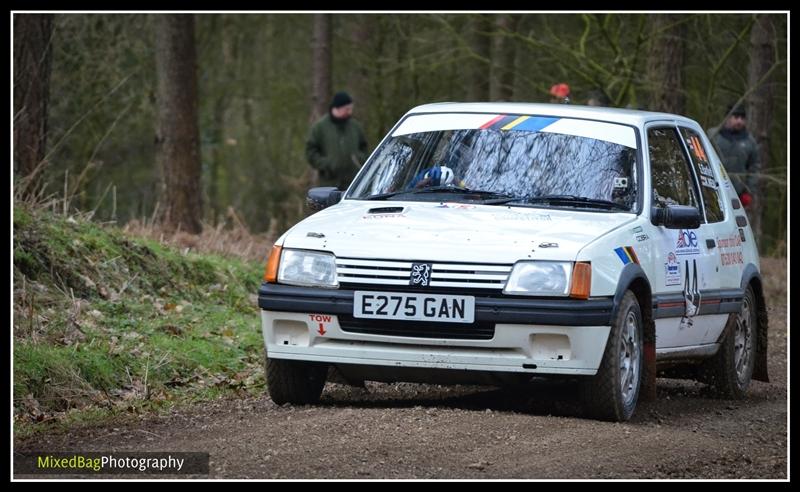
709	186
672	181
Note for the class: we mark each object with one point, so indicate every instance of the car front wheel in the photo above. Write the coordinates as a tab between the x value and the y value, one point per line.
612	393
296	382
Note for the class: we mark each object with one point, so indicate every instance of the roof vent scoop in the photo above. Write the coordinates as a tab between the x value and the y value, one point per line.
386	210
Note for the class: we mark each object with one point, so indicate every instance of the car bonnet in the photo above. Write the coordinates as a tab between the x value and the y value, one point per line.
451	231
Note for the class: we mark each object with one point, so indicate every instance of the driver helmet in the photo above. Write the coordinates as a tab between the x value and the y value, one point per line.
440	176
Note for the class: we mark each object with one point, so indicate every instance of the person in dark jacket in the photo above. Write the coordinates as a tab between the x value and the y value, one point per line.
336	146
739	153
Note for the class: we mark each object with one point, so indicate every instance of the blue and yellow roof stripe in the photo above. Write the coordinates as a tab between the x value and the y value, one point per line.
516	122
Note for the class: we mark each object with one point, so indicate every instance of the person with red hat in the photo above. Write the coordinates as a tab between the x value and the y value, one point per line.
559	93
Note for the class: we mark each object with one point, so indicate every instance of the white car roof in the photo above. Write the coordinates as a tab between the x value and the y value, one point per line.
624	116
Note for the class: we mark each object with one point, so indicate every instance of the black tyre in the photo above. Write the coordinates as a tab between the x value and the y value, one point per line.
296	382
731	369
612	393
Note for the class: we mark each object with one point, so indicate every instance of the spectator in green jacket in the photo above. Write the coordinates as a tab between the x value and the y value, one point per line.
336	145
739	153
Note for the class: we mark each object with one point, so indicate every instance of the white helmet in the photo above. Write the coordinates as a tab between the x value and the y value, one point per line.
443	174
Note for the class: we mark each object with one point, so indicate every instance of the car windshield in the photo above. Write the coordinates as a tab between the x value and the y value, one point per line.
509	159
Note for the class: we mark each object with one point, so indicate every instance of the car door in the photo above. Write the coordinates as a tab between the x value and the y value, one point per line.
687	288
728	237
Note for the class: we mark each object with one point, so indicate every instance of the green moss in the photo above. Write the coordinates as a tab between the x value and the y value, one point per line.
115	314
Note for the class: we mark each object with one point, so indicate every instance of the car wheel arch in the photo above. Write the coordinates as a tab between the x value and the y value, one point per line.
633	278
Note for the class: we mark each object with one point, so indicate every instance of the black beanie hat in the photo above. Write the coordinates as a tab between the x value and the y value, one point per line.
341	99
738	110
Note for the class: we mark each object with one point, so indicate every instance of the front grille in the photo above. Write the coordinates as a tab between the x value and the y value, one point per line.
487	293
479	330
378	273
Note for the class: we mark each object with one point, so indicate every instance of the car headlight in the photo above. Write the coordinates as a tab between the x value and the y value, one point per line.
307	268
539	278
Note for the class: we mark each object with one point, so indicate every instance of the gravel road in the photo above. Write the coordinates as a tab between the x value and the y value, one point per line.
410	431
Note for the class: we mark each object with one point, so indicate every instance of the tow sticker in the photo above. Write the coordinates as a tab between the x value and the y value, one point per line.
321	320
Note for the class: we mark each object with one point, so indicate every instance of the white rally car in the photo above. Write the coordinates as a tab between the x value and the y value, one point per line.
493	242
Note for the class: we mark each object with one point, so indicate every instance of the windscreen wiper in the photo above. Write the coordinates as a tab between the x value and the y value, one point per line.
442	189
464	191
575	200
384	196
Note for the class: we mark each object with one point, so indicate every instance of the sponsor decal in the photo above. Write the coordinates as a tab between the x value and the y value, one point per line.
708	182
461	206
672	270
515	122
493	121
692	295
741	235
530	123
637	230
730	250
686	243
725	179
627	255
724	173
699	155
420	274
610	132
642	237
705	169
523	217
383	216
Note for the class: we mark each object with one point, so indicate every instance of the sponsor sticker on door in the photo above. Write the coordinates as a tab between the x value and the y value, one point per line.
672	274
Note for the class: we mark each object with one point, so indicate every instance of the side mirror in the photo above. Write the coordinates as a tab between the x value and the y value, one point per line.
323	197
676	217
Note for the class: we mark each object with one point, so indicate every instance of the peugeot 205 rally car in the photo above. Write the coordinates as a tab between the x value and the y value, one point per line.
493	242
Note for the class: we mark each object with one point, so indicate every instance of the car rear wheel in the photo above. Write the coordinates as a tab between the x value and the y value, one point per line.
612	393
296	382
731	369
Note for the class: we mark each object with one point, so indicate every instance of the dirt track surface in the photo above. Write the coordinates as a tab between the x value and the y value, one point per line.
409	431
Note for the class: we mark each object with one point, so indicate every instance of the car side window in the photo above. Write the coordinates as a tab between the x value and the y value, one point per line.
672	182
709	186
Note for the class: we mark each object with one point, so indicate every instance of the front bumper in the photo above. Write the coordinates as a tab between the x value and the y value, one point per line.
537	336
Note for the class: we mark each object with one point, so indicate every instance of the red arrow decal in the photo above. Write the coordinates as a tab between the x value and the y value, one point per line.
321	330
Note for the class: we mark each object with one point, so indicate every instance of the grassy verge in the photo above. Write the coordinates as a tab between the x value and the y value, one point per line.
108	324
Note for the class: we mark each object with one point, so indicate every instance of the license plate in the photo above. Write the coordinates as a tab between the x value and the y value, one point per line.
419	307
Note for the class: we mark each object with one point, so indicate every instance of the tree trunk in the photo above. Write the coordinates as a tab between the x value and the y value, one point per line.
218	129
177	136
760	104
665	63
479	65
361	35
504	53
321	43
32	64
